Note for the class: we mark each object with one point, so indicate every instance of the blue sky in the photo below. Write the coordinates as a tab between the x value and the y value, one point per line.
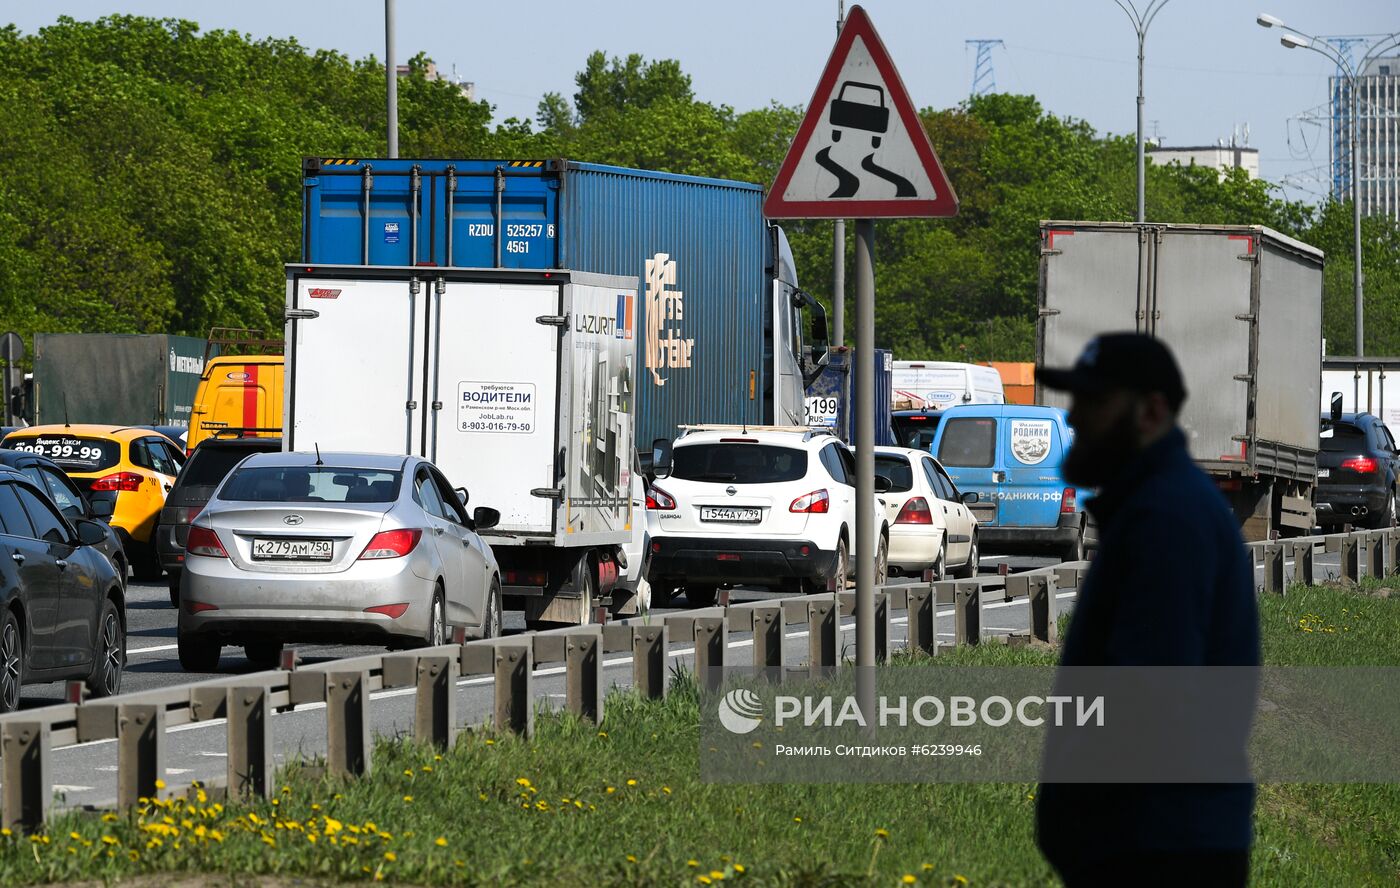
1210	68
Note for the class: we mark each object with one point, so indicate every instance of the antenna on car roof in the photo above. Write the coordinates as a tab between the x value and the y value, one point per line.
66	423
317	445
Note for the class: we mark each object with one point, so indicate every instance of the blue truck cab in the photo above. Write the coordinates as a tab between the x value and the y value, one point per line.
1010	455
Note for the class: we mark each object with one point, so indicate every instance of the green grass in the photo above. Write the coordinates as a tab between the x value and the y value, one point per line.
625	806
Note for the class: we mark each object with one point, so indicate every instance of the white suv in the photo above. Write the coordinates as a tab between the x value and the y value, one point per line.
771	507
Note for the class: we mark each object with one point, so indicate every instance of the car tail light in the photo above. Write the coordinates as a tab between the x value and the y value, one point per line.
1068	501
127	481
204	541
392	611
1361	464
659	500
196	607
391	544
915	511
179	514
815	503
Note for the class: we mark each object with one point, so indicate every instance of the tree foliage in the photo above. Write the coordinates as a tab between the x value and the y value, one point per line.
150	181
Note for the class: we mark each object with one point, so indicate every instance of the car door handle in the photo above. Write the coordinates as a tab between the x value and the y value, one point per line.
19	559
998	477
437	530
62	565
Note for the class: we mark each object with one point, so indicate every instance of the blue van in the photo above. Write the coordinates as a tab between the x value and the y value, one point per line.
1010	454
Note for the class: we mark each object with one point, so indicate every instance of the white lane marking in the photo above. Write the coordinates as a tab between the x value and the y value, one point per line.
64	787
151	650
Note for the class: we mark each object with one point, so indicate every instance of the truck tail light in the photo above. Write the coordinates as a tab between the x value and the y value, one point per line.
391	544
204	541
659	500
815	503
127	481
1361	464
1068	501
915	511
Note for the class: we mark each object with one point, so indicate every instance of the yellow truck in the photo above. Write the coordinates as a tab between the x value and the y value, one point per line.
238	393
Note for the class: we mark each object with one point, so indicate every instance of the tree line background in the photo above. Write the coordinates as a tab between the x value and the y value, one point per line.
150	182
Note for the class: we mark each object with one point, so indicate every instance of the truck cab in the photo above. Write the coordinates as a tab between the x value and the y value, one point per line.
1010	455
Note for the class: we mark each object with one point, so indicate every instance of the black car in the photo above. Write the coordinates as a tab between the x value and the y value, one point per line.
62	608
206	468
49	477
915	428
1357	472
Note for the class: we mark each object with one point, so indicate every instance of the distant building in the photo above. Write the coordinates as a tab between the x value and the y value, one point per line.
1378	138
466	88
1220	157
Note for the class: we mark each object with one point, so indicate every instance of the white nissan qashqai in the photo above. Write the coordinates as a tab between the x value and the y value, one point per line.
773	507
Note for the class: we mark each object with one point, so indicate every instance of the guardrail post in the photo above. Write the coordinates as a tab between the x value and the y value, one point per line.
711	638
1302	555
823	636
1391	541
882	626
140	752
583	674
249	741
27	788
768	641
967	613
435	704
923	625
1350	560
348	743
649	644
1044	607
515	705
1274	579
1376	554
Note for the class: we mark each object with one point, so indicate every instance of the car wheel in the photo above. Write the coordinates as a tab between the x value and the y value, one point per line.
11	662
1075	550
1386	518
940	567
702	596
264	654
437	623
661	593
586	582
110	657
882	562
198	653
491	626
969	570
843	566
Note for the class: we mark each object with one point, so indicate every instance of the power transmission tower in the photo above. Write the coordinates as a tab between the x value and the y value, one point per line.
983	80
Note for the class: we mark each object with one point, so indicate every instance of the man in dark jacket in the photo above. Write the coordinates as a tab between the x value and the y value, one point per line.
1171	585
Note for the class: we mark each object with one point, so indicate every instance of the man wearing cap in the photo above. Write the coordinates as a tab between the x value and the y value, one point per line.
1171	585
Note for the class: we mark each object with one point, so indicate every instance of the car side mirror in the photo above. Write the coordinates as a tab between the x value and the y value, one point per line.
462	495
90	533
661	455
970	497
485	517
882	484
1336	407
103	508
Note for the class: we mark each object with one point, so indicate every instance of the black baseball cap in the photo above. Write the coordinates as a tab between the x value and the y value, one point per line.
1133	361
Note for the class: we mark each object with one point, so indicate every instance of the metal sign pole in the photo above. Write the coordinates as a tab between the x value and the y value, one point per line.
865	468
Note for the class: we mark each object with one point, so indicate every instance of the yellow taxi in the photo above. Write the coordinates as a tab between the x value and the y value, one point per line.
131	467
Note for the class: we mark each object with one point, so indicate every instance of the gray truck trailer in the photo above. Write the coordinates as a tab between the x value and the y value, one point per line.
1241	306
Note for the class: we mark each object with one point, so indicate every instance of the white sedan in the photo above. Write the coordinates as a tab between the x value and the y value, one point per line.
931	527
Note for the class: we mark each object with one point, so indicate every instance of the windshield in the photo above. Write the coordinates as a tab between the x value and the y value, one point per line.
310	484
73	454
739	463
969	443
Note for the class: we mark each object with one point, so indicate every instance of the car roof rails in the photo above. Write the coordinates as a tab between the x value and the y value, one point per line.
808	432
243	432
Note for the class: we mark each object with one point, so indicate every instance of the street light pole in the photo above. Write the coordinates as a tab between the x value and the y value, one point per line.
1141	22
838	245
391	71
1295	39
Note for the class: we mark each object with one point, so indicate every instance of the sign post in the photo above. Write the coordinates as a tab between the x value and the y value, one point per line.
11	351
861	152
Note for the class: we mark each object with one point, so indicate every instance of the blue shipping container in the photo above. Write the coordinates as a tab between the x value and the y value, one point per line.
700	249
837	382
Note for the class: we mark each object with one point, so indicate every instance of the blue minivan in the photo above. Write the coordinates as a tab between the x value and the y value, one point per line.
1010	454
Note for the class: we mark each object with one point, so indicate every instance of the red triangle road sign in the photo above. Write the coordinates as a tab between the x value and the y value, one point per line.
861	151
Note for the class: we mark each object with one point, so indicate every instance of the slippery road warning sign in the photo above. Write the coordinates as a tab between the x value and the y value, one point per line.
861	152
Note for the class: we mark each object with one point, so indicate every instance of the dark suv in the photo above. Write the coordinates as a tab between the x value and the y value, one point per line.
1357	468
206	468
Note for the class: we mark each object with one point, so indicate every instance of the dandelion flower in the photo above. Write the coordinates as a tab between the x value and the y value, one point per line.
882	834
407	799
692	862
631	858
160	784
739	868
797	820
631	782
717	875
909	879
390	856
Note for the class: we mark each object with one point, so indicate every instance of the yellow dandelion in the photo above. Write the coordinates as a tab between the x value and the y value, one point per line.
717	875
797	820
106	818
692	862
928	867
390	856
631	858
160	784
133	855
440	841
407	799
666	789
882	834
909	879
739	868
631	782
75	837
110	840
960	879
522	781
610	790
703	880
603	734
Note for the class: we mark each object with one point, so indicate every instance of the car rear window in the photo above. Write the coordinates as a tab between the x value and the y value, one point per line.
310	484
208	466
895	468
915	431
968	443
739	463
1345	437
72	453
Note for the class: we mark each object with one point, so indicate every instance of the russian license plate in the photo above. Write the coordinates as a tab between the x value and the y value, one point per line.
731	515
291	550
1324	473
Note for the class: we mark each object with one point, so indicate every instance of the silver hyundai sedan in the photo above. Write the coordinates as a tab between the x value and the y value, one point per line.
334	548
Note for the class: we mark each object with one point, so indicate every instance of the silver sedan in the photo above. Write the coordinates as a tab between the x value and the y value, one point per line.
338	548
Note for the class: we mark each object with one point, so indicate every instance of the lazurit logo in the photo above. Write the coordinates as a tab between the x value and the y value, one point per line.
665	309
323	293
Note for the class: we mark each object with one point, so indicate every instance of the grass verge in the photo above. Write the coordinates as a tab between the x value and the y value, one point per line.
624	806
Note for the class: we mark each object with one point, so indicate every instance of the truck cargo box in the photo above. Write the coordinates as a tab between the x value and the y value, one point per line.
116	379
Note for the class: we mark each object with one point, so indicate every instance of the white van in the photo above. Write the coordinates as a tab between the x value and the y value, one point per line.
936	385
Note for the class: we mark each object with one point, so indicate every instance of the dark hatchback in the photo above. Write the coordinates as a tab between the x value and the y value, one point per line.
207	467
915	428
1357	472
49	477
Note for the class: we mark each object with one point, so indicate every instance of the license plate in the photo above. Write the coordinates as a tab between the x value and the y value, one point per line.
291	550
731	515
1324	473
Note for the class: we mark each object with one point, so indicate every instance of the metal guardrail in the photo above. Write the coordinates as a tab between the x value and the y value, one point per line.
138	721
